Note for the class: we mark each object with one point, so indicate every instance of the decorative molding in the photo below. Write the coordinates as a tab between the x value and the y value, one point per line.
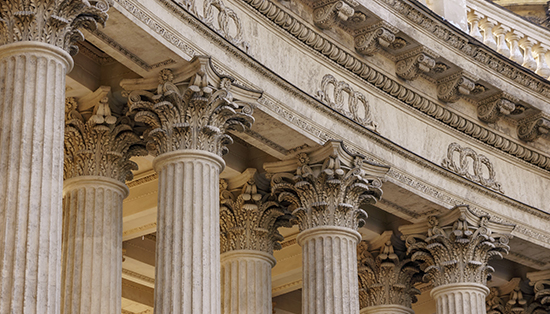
327	13
51	23
152	225
462	168
413	63
372	38
492	108
138	276
533	127
451	88
287	286
354	101
143	180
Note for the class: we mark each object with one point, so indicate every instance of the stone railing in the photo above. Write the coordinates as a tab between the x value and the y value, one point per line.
510	35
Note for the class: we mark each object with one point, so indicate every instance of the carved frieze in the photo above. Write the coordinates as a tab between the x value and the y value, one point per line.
385	278
456	246
327	13
533	127
462	167
51	22
101	145
326	187
413	63
192	108
356	107
371	39
491	109
250	217
454	86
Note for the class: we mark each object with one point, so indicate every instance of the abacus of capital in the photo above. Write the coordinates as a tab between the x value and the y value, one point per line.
274	157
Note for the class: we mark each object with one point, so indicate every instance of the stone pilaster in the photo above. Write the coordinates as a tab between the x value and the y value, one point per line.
188	115
35	38
325	189
249	219
386	279
97	153
453	250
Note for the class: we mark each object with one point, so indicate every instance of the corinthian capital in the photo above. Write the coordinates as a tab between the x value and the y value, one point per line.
193	107
371	39
541	286
532	127
101	145
250	215
54	22
456	247
385	277
326	187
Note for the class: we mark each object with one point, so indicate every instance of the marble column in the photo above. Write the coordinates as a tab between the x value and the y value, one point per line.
325	190
249	220
188	115
386	277
97	153
454	249
34	59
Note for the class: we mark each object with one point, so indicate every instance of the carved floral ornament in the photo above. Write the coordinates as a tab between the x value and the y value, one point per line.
192	108
491	109
411	64
327	13
250	215
462	167
533	127
456	247
101	145
372	38
352	108
326	187
54	22
511	299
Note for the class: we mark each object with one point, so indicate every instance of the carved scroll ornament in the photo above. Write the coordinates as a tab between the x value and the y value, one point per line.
454	86
462	167
533	127
491	109
371	39
351	107
326	13
411	64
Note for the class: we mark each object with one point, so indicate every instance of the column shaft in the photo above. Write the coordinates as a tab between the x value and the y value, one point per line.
92	245
246	282
188	233
330	284
460	298
32	100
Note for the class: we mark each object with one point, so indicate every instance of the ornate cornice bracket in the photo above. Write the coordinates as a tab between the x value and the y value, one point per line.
451	88
533	127
371	39
492	108
541	285
327	13
411	64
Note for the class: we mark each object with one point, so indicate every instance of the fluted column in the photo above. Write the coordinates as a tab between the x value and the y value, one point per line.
97	153
188	115
325	190
454	249
34	60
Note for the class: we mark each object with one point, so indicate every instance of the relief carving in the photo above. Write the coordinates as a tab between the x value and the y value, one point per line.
411	64
52	22
454	86
491	109
192	108
350	108
533	127
371	39
462	167
511	299
327	13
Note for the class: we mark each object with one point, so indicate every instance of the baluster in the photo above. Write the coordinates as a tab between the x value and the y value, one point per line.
528	60
502	48
513	38
473	19
540	55
487	26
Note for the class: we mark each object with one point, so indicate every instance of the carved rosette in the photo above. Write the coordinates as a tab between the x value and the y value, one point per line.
533	127
454	86
456	247
326	14
54	22
491	109
384	278
411	64
194	113
371	39
327	187
101	145
250	218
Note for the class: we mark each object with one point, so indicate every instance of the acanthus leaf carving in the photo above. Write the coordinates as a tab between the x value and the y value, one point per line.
541	287
356	101
411	64
54	22
456	246
533	127
478	161
492	108
102	145
515	298
371	39
327	13
326	187
451	88
192	113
